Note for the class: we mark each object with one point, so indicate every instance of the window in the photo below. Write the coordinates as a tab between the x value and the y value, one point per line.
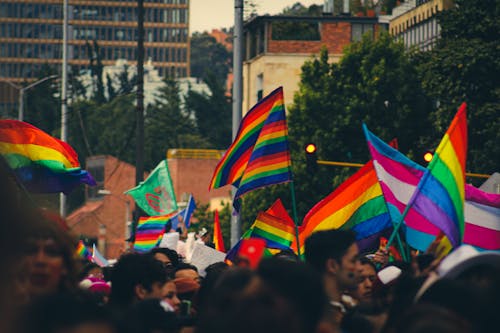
292	30
259	86
358	30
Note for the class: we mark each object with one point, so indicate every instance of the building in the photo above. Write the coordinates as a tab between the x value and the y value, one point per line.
31	36
276	47
415	22
106	215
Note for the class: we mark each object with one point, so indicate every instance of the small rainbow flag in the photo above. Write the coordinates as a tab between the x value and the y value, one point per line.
276	232
217	238
42	163
82	251
150	231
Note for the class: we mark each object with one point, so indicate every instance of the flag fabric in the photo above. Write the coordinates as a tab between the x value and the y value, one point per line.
259	155
98	258
482	219
156	194
278	210
176	219
149	232
398	177
357	204
277	233
188	212
217	237
440	194
82	251
43	164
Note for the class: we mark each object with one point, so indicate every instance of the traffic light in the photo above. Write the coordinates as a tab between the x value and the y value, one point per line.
428	155
311	157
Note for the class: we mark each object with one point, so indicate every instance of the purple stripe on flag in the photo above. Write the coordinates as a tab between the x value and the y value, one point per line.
426	207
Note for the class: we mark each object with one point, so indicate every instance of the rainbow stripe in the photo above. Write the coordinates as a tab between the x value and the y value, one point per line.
259	156
149	231
82	251
357	204
276	232
217	238
43	163
440	194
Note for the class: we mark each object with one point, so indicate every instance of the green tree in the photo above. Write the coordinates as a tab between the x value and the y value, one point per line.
375	83
212	113
209	56
205	219
167	126
465	67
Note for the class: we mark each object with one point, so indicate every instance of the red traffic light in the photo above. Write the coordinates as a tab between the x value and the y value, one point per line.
428	156
310	148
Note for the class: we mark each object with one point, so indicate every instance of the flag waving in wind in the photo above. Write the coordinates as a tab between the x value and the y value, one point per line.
439	196
259	155
156	194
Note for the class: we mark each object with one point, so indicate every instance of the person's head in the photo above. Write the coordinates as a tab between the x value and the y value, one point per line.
170	295
167	256
334	253
49	256
136	277
188	271
367	276
91	269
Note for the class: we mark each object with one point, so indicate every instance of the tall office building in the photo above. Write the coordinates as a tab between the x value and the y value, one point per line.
31	36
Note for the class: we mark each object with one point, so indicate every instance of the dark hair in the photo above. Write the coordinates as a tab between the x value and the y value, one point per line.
185	265
87	267
366	261
134	269
171	254
328	244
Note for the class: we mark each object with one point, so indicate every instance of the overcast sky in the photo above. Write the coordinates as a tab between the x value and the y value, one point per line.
215	14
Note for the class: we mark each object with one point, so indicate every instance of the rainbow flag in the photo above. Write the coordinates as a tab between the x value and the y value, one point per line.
42	163
217	238
82	251
276	232
440	194
357	204
259	155
149	231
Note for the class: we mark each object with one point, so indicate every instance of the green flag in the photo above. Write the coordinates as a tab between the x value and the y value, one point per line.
156	194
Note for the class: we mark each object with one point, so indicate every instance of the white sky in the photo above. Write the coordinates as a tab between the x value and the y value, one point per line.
206	15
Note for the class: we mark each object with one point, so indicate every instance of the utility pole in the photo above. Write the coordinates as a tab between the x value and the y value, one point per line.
237	98
139	156
64	101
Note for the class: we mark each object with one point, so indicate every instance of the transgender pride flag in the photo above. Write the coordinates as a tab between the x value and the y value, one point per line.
399	176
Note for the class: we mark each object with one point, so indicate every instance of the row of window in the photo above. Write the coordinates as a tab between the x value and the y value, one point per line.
114	53
16	30
421	34
129	14
44	11
39	51
417	18
173	35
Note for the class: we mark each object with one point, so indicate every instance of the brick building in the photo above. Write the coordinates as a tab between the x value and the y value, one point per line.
276	47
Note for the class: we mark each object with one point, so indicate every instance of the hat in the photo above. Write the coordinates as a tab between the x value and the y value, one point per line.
458	261
96	285
186	285
386	277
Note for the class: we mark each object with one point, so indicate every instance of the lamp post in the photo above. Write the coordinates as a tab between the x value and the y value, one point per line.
127	214
20	109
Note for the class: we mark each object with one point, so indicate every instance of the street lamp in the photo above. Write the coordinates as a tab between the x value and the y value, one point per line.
20	111
127	216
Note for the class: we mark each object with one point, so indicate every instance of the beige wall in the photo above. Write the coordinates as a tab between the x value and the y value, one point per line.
277	70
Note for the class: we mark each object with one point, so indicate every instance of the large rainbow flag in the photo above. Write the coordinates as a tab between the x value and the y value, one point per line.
149	231
440	193
357	204
259	155
41	162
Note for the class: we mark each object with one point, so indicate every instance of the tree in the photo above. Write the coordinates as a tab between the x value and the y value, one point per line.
205	218
465	66
212	113
209	56
375	83
167	126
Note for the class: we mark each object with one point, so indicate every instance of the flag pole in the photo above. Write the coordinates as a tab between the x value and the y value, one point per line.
295	220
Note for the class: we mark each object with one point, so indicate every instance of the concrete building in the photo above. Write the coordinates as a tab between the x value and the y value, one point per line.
276	47
31	36
415	22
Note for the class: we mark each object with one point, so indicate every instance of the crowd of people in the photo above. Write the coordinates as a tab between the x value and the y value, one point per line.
333	288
